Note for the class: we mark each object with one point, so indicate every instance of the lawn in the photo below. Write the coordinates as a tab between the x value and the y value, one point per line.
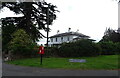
109	62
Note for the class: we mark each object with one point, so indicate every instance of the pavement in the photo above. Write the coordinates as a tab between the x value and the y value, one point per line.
14	70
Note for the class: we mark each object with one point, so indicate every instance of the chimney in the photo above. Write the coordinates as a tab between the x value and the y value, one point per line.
77	30
69	29
58	31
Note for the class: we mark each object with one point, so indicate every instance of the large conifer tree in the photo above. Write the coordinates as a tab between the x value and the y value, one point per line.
34	16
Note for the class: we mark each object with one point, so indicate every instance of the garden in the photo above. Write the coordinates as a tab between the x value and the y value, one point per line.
102	55
21	34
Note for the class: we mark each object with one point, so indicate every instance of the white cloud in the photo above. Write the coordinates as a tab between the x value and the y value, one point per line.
5	12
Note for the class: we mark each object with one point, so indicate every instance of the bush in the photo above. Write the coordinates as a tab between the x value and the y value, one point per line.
109	48
51	52
118	47
22	45
79	48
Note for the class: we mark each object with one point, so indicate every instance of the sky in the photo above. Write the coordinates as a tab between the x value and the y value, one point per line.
90	17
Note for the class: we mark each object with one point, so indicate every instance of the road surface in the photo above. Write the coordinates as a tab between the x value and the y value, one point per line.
13	70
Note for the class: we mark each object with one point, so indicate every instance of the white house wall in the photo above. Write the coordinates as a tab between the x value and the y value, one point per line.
65	39
59	41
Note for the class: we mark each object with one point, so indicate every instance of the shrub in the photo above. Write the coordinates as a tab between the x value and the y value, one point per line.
118	47
109	48
21	45
51	52
79	48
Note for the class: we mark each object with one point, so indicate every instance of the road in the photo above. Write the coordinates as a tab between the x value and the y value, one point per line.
13	70
0	66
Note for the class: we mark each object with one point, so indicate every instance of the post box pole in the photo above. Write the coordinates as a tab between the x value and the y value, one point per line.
41	59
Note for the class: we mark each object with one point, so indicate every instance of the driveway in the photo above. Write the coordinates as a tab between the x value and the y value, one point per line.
13	70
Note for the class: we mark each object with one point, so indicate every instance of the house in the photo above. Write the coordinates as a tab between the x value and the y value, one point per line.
58	39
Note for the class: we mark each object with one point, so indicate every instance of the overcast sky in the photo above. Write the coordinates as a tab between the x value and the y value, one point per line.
91	17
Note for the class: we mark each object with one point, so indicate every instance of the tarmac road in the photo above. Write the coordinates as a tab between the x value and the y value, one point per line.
0	66
13	70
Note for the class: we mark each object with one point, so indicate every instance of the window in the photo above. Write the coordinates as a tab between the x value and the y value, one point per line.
51	39
68	38
56	39
61	38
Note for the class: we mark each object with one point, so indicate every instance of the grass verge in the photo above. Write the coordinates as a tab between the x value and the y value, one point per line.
109	62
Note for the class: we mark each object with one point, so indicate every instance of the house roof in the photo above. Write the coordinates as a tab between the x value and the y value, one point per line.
68	34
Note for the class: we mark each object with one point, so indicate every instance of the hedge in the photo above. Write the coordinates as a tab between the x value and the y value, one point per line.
79	48
51	52
109	48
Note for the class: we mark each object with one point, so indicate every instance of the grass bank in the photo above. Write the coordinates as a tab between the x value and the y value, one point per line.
101	62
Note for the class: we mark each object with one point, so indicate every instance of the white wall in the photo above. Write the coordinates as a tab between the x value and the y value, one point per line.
59	41
65	39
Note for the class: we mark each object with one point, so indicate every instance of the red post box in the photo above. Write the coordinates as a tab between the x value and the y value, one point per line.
41	50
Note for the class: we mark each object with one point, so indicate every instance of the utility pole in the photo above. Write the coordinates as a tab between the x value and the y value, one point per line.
119	16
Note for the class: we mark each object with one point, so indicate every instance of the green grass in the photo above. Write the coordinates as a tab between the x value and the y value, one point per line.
101	62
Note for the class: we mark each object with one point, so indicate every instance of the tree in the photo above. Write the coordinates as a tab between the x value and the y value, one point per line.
34	19
34	16
21	43
111	35
8	28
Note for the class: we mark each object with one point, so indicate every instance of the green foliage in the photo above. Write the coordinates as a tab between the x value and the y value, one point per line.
110	43
51	52
109	48
79	48
34	16
111	35
33	19
118	47
6	34
21	44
